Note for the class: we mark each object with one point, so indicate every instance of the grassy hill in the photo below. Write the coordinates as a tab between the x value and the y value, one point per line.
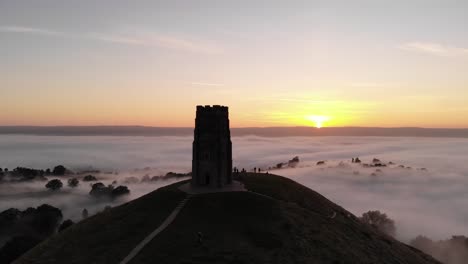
279	221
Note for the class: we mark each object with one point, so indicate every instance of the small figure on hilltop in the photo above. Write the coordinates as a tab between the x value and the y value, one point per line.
255	170
357	160
84	213
200	238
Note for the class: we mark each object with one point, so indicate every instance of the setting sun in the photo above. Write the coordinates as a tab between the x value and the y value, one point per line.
318	120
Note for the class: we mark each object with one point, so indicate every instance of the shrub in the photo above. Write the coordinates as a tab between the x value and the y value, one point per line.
65	224
89	178
380	221
59	170
121	190
73	182
54	185
99	189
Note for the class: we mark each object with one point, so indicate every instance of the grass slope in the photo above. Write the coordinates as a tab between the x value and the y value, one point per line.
293	226
108	236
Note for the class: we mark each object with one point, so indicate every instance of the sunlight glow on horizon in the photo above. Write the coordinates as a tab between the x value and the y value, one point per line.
318	120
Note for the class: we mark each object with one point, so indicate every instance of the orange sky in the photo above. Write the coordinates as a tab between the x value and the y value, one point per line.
274	65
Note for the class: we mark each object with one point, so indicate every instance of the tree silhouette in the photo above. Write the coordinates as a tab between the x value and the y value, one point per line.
380	221
89	178
121	190
54	185
73	182
65	224
59	170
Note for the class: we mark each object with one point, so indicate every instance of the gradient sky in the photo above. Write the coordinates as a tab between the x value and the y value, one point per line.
274	63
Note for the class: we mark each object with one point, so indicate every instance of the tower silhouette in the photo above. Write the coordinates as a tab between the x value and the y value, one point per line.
212	147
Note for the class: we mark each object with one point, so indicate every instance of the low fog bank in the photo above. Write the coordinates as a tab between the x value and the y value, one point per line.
428	198
430	202
72	201
104	153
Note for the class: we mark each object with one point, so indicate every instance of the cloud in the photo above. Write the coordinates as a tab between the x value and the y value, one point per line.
431	202
119	39
206	84
133	38
434	49
182	44
28	30
299	100
372	85
150	39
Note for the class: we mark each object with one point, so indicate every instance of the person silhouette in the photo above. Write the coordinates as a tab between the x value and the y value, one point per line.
200	237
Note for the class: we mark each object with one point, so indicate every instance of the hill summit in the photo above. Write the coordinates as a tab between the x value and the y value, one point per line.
276	221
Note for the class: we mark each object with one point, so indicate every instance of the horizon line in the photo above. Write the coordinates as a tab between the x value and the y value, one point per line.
246	127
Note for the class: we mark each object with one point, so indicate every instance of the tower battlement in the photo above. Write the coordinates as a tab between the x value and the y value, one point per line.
212	120
209	110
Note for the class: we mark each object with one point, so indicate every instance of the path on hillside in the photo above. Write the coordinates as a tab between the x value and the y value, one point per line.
174	214
158	230
263	195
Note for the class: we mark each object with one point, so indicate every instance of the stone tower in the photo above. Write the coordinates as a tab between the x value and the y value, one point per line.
212	147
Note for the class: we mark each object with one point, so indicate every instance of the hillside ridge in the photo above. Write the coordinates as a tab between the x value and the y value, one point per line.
295	225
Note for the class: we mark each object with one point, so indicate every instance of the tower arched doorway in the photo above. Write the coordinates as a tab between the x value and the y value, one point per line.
207	178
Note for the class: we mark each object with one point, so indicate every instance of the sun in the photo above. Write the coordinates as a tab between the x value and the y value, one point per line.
318	120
